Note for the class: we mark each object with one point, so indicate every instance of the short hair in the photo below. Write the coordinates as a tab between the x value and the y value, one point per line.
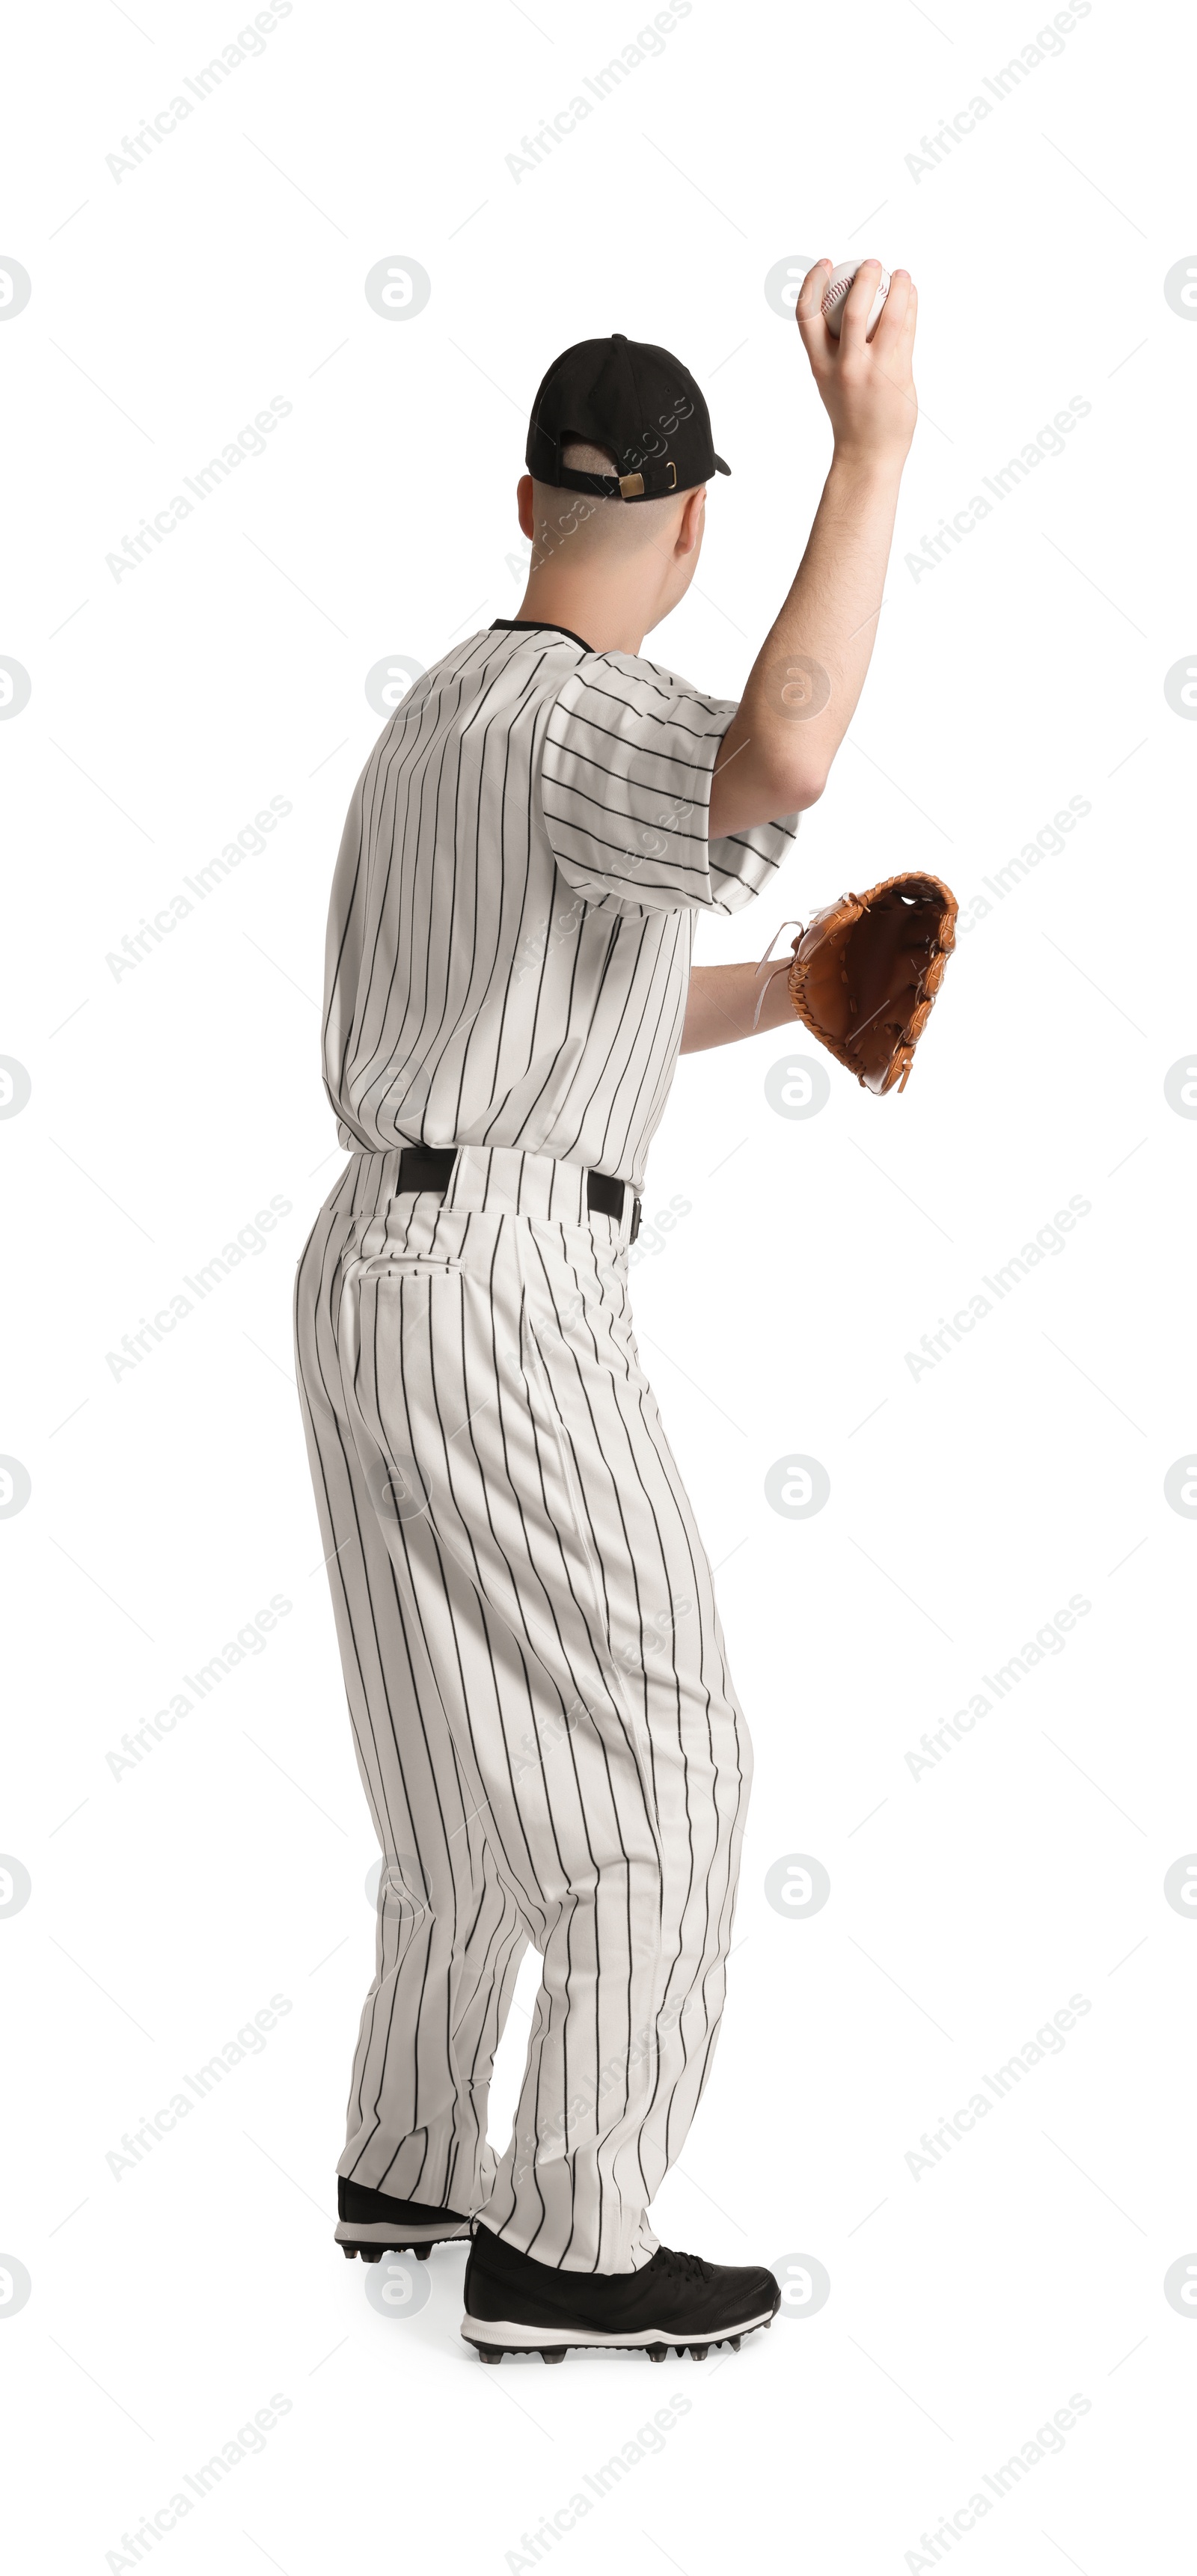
586	521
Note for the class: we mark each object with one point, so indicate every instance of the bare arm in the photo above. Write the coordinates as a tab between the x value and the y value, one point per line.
722	1001
804	685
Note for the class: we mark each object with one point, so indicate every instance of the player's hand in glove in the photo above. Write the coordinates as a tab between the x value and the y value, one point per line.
866	971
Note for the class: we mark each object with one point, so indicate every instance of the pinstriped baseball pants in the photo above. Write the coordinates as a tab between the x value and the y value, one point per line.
544	1721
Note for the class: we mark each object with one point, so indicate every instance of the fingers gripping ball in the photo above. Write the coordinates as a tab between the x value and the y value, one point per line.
866	972
836	290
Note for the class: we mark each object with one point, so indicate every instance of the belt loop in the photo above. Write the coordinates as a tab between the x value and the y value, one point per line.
426	1167
610	1196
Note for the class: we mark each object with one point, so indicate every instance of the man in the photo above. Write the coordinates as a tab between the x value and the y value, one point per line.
545	1724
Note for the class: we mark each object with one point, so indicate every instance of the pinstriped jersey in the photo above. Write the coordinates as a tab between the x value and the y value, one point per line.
513	908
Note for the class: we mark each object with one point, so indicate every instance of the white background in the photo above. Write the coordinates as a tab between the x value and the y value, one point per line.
172	1101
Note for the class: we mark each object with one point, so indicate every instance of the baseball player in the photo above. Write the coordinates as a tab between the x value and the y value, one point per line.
545	1724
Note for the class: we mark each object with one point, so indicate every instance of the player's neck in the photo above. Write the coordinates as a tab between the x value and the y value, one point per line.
610	615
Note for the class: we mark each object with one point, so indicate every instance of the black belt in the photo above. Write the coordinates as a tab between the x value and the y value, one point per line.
430	1167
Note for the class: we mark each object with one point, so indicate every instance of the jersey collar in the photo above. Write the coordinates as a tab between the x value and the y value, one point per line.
539	626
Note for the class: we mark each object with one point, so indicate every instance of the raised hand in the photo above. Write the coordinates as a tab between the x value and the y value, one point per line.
866	386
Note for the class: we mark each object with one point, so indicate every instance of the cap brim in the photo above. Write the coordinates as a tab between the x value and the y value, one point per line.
720	467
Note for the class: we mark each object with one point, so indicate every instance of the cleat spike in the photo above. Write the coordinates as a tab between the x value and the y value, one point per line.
369	2253
349	2251
488	2352
421	2252
700	2350
735	2341
656	2351
553	2352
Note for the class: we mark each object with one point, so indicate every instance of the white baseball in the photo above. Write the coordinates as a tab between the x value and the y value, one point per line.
837	287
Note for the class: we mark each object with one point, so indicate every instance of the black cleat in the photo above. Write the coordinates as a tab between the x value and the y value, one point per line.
514	2304
372	2224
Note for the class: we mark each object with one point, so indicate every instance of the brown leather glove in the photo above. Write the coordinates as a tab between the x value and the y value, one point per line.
866	972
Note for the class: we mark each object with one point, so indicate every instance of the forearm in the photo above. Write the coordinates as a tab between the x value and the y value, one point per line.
806	679
722	1002
805	683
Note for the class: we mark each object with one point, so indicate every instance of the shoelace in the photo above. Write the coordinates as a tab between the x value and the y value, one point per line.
684	2267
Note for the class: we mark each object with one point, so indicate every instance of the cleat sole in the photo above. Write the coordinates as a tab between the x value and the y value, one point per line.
390	2236
394	2240
524	2341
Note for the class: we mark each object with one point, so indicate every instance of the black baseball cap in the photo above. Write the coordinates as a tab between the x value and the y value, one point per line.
634	399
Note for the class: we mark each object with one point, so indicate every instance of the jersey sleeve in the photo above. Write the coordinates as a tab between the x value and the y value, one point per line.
626	770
